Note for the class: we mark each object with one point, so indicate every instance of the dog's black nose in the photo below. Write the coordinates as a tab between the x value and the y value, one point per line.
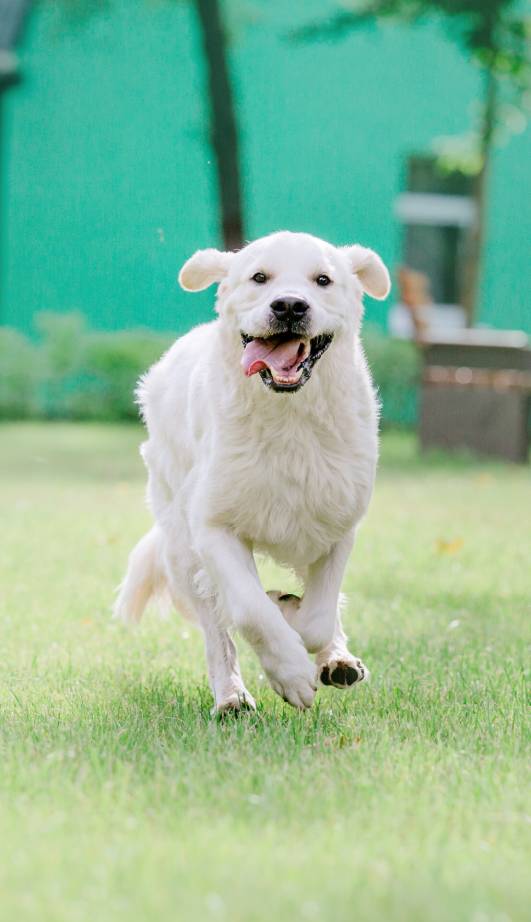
289	308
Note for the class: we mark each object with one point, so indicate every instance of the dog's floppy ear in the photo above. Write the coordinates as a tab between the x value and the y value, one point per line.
203	269
370	269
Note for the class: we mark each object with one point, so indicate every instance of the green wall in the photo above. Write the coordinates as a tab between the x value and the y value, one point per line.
108	181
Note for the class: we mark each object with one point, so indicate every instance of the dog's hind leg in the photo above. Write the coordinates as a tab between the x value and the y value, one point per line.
196	600
288	602
230	694
336	665
315	617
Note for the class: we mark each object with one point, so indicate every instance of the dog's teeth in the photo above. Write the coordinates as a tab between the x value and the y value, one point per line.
286	379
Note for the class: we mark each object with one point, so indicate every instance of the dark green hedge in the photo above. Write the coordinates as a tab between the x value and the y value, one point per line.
72	372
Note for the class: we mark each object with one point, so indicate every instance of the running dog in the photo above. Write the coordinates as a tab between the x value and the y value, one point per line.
262	438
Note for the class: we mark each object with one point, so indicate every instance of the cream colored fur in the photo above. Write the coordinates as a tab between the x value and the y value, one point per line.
235	468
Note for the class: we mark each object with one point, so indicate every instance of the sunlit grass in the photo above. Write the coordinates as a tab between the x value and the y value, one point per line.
120	798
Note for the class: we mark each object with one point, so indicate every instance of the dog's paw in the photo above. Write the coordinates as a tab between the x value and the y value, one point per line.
288	602
297	691
234	704
292	676
343	672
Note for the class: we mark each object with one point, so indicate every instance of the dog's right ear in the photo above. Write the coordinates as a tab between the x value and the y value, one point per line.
203	269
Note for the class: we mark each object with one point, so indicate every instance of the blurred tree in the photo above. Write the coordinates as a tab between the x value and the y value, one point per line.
223	122
496	34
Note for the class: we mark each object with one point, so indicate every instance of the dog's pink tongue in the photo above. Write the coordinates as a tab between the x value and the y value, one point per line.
260	354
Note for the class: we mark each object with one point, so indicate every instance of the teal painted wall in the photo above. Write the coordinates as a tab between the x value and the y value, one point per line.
108	180
108	184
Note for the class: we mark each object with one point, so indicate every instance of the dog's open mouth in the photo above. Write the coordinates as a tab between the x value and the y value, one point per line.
284	361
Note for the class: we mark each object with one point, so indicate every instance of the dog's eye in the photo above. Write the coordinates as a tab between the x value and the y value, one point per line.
260	278
323	280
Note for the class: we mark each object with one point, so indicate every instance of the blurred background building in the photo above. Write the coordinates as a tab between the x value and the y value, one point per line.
109	179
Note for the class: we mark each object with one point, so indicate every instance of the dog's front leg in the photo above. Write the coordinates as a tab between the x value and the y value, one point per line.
316	618
231	567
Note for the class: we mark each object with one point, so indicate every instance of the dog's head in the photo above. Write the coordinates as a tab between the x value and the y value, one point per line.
287	297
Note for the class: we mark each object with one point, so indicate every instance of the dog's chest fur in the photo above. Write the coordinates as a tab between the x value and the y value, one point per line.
293	483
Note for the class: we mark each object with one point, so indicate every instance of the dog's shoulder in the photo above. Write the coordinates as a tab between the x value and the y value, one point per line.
169	385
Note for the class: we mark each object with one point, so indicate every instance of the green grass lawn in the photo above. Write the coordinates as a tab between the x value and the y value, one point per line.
120	798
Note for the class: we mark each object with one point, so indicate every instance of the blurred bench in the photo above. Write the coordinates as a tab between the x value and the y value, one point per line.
475	393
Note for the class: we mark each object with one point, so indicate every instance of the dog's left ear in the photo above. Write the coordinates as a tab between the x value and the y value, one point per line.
203	269
370	269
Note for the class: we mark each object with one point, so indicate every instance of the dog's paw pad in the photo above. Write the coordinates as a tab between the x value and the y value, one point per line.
288	602
325	676
343	674
286	598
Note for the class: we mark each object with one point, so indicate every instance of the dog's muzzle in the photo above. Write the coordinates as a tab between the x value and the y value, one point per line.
284	360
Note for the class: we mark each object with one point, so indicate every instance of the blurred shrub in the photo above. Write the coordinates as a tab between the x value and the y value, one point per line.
395	367
92	375
112	364
62	341
20	373
73	372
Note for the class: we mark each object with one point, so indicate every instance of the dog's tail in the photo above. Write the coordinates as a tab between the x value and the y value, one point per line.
144	578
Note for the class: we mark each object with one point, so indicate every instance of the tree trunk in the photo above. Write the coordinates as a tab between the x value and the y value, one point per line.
480	195
223	127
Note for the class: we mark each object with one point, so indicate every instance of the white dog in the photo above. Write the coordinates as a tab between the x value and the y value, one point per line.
262	438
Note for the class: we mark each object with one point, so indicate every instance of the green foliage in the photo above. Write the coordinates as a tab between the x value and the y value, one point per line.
113	363
495	31
62	338
395	367
496	34
77	12
73	372
20	371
